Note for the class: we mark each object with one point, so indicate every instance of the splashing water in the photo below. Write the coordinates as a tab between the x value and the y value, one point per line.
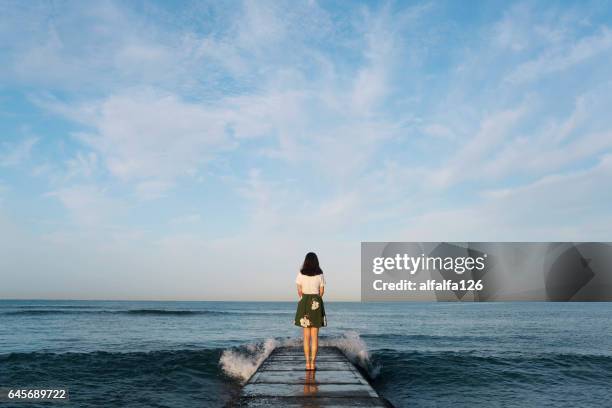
355	349
242	362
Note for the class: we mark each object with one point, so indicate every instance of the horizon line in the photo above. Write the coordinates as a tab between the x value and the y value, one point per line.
162	300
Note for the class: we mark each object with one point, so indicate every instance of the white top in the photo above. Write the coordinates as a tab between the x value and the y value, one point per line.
310	284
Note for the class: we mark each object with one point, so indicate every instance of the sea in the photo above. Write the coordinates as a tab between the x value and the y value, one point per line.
199	354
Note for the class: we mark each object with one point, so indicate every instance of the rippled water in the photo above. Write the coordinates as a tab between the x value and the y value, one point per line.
194	354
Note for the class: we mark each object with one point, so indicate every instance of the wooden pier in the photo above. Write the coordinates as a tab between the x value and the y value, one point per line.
282	381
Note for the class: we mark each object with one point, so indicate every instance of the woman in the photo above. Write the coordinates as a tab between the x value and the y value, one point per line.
310	312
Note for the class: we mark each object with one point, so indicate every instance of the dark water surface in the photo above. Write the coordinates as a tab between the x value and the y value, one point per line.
196	354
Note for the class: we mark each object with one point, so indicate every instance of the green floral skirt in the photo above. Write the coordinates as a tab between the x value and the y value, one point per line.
310	312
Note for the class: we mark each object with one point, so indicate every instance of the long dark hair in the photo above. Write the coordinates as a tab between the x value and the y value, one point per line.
311	265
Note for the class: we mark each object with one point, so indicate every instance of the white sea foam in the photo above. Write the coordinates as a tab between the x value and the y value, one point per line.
241	363
355	349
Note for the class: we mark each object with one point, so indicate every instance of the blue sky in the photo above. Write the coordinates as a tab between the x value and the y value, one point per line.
157	150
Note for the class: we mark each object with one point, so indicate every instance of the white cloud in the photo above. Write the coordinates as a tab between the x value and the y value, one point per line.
523	28
493	130
148	134
564	207
14	154
274	84
187	219
552	144
564	56
82	165
152	189
89	205
371	81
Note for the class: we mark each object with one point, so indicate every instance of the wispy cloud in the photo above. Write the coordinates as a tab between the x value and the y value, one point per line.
16	153
89	205
564	56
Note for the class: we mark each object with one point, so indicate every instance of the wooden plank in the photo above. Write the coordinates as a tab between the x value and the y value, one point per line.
282	381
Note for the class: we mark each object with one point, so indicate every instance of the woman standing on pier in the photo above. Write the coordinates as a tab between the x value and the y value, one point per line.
310	312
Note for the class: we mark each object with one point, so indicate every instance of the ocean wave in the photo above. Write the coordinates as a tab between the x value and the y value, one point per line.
356	350
38	312
81	306
186	378
415	373
170	312
15	365
403	338
241	362
164	360
135	312
471	367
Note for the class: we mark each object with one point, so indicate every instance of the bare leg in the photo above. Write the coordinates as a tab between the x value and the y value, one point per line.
314	336
307	346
